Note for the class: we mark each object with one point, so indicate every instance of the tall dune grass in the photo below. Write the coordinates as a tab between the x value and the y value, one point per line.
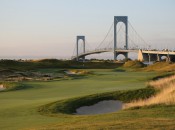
162	83
166	94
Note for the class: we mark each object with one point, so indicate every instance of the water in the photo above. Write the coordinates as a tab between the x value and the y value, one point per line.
106	106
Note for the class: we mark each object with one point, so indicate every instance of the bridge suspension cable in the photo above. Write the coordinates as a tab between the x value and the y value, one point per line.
106	36
74	51
88	46
109	43
137	34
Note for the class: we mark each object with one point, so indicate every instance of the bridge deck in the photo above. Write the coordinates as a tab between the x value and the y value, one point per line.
124	51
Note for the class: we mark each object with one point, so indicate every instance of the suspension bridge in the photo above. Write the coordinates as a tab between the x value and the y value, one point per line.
122	38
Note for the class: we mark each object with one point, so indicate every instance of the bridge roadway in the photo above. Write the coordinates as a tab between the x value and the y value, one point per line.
143	55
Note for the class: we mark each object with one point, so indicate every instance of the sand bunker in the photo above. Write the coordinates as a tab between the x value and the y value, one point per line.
100	108
70	72
2	87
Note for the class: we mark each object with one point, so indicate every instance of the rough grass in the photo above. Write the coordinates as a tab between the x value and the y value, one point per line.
12	86
166	95
79	72
133	64
161	67
139	66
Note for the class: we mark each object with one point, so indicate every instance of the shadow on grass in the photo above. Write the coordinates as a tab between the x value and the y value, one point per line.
119	70
163	76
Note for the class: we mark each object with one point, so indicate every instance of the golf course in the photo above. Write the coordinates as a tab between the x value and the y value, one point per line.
87	65
51	103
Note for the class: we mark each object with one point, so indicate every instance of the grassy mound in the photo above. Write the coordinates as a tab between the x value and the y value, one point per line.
12	86
161	67
69	106
78	72
166	94
133	64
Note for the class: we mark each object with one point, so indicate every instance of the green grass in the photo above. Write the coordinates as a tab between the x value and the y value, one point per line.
19	109
160	117
69	106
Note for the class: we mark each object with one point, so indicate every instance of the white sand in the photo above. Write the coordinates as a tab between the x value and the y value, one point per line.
102	107
2	87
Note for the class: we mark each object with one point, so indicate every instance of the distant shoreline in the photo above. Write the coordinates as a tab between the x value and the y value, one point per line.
33	57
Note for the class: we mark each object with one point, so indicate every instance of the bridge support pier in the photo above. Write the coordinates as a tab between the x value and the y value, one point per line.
125	54
141	57
147	57
158	57
118	19
168	58
80	38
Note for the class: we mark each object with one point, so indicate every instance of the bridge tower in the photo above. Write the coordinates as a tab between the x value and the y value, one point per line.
80	38
118	19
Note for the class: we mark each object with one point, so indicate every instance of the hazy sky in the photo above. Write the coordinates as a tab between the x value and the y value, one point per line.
48	28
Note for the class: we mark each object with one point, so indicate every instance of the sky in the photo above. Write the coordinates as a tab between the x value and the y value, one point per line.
48	28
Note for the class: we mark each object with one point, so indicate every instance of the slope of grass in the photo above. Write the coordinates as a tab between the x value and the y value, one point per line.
161	67
158	117
166	94
19	109
69	106
133	64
